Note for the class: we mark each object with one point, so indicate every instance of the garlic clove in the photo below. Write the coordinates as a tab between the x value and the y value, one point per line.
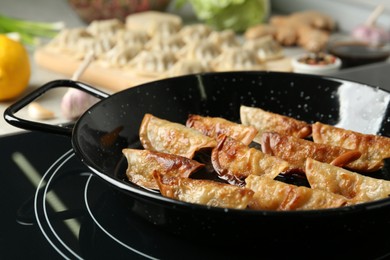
37	111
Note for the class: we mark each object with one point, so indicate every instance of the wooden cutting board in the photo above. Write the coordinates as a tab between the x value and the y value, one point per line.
114	79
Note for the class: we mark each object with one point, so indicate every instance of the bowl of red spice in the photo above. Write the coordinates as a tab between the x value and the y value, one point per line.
316	63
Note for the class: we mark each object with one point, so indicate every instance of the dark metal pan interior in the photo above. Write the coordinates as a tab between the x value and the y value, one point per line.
113	124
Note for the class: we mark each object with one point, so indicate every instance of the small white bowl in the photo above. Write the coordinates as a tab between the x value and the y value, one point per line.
316	68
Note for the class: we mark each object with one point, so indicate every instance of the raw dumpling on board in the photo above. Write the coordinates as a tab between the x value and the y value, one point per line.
120	55
224	39
105	28
186	66
131	38
265	47
235	59
195	32
152	63
171	44
204	51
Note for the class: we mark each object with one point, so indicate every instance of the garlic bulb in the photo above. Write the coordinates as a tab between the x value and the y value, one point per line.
370	32
75	102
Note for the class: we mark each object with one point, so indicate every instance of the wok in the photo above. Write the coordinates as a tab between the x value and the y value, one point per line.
360	230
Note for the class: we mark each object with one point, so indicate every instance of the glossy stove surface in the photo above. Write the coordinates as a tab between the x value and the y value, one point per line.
54	208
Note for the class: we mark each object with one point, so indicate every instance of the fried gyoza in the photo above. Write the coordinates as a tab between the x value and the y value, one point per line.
276	195
142	164
205	192
234	161
354	186
295	151
265	121
374	148
164	136
214	126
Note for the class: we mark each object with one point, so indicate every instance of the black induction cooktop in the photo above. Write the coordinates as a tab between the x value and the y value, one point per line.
24	159
52	207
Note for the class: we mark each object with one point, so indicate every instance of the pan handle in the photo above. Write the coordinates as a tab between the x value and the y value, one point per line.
11	118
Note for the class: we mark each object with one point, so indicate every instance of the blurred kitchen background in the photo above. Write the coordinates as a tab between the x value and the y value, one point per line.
346	13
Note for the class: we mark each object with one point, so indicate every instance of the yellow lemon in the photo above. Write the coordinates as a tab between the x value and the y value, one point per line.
15	70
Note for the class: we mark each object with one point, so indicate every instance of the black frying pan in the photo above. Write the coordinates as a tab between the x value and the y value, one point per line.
360	231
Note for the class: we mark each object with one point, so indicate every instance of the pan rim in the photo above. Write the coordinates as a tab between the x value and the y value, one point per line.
157	197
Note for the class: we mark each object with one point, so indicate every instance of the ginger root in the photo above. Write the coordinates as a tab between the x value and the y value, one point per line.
308	29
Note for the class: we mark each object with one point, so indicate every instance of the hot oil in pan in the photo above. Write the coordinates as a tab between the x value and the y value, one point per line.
383	173
208	172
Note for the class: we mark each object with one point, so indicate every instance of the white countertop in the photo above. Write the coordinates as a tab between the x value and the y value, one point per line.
47	11
38	78
38	10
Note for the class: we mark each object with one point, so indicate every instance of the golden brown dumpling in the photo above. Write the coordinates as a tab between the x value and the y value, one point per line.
295	151
161	135
276	195
234	161
142	163
354	186
205	192
214	126
374	148
265	121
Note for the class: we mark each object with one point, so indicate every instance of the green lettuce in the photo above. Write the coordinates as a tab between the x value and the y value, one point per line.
237	15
